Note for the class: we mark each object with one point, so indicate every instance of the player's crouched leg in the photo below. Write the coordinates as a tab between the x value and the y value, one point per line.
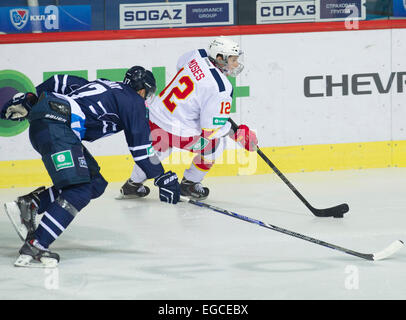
54	221
191	185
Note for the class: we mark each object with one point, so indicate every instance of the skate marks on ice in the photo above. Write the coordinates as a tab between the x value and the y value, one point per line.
144	249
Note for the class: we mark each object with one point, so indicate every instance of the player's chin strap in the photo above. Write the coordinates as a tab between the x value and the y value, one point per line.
336	212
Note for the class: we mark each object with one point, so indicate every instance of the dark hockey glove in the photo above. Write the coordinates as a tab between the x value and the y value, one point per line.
18	108
169	189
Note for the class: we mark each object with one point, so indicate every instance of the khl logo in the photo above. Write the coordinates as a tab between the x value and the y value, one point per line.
19	17
49	17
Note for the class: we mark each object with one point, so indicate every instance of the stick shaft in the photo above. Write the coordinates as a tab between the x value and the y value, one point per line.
284	179
317	212
281	230
276	170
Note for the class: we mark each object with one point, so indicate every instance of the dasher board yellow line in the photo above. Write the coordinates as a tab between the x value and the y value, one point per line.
325	157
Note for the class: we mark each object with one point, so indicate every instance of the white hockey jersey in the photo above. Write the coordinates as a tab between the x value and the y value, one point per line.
198	98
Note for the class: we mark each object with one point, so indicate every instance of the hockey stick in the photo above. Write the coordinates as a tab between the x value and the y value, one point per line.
388	251
336	212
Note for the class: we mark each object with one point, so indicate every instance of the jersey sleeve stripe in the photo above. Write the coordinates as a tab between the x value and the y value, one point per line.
142	152
56	80
217	77
203	53
64	82
141	157
145	146
93	110
213	133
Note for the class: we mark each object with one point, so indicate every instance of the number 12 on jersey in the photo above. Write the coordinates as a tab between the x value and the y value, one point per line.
181	91
225	108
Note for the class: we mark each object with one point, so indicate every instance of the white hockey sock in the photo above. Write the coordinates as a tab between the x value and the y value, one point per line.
194	173
138	175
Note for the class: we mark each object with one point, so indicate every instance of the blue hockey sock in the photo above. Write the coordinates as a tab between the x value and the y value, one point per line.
60	213
54	221
46	197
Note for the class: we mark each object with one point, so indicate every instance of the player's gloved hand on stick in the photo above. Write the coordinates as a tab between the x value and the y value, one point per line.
246	138
18	108
169	189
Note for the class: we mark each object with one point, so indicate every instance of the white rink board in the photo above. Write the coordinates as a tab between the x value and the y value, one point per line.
399	100
275	68
287	117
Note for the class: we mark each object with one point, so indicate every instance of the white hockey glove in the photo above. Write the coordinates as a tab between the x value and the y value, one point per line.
19	106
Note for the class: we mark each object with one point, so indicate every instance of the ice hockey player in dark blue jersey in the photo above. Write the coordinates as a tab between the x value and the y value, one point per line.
59	122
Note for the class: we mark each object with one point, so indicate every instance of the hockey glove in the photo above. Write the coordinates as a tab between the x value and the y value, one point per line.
169	189
18	108
246	138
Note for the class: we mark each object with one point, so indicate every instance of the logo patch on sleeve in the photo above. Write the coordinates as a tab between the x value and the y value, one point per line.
150	151
219	121
82	162
62	160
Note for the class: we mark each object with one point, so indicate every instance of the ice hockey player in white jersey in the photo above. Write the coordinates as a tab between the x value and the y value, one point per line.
192	112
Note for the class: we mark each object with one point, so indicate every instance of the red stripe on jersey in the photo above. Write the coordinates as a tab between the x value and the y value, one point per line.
202	164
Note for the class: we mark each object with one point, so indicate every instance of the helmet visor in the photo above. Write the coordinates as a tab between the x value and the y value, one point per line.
234	65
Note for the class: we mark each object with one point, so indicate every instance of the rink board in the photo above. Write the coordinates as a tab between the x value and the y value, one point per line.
25	173
338	104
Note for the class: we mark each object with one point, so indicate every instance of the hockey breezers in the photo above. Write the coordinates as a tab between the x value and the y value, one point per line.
385	253
336	211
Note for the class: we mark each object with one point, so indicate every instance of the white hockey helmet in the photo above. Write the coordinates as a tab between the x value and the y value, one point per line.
225	47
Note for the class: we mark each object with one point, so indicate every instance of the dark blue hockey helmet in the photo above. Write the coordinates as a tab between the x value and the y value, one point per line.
139	78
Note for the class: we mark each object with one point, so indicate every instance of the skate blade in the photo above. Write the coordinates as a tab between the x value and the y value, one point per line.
13	213
29	262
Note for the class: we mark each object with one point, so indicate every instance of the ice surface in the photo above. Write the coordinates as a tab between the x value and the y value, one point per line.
145	249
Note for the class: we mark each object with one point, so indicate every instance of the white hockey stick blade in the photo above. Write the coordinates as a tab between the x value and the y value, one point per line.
387	252
28	262
13	213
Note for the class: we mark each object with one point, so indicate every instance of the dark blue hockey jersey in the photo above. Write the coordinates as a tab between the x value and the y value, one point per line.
101	108
61	83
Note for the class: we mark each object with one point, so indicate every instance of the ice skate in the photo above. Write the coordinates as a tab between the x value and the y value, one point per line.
33	255
193	190
23	213
132	190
